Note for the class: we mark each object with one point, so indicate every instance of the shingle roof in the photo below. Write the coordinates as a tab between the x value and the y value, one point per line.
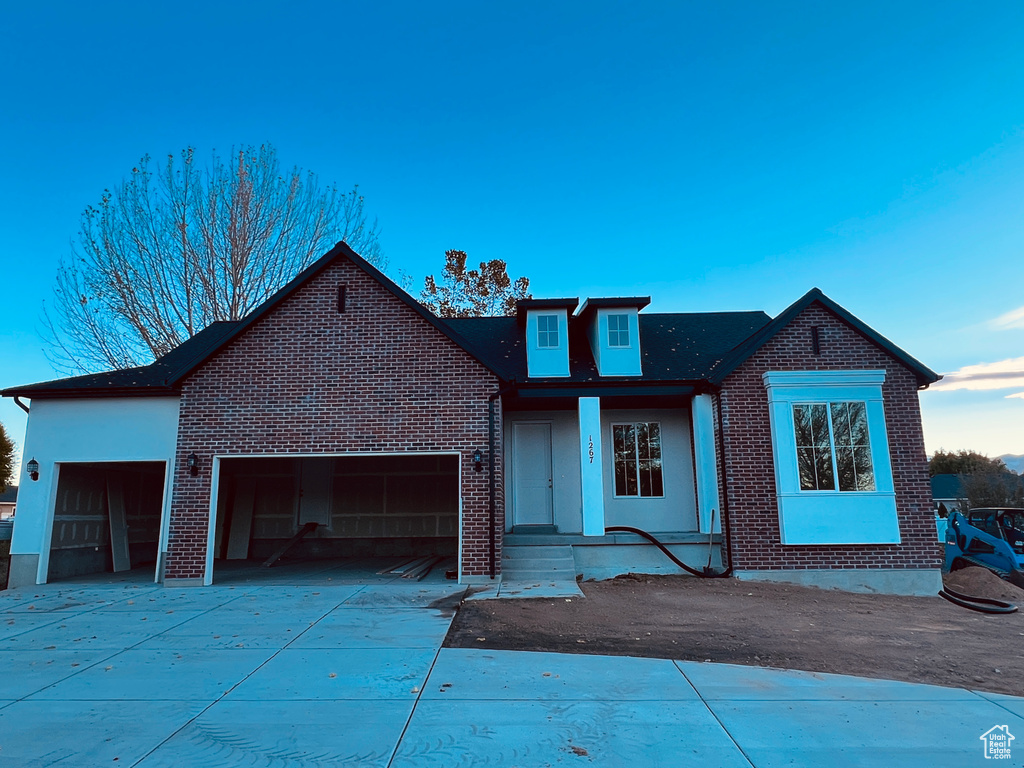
689	348
675	347
157	378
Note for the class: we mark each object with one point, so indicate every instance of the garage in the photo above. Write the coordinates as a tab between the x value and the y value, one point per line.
106	518
303	509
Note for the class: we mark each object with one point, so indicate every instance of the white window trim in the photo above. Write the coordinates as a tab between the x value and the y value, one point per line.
547	331
661	448
628	331
831	516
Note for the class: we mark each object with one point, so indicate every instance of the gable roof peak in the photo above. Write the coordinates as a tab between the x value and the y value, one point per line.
740	354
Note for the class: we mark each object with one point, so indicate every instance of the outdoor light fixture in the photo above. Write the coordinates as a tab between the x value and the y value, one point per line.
478	461
33	469
193	464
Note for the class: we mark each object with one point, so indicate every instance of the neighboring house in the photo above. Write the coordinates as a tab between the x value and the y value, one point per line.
341	401
947	491
8	500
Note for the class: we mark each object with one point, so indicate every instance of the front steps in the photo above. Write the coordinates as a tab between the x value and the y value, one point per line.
538	563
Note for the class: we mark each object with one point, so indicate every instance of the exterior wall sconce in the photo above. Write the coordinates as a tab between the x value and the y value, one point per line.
33	469
193	465
478	461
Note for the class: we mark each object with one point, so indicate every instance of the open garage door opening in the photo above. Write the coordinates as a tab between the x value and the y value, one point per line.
315	511
106	518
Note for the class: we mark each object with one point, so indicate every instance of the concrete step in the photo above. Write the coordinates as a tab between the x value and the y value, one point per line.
540	563
548	566
548	552
538	576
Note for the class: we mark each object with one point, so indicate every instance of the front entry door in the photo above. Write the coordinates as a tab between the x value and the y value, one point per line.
532	470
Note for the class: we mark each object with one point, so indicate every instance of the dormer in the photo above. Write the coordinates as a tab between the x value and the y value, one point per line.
546	322
613	329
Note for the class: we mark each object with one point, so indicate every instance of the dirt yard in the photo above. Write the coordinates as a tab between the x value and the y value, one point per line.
917	639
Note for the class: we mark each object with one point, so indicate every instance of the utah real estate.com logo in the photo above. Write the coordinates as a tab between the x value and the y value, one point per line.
997	742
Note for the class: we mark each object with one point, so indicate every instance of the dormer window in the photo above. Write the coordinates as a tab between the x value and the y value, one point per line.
618	330
612	326
545	324
547	331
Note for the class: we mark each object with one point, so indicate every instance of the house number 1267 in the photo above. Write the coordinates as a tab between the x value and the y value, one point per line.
590	450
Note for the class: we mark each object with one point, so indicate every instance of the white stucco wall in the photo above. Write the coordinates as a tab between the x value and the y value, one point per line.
547	361
677	509
565	467
615	361
101	429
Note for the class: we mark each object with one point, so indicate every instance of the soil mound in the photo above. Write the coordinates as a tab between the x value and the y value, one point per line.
981	582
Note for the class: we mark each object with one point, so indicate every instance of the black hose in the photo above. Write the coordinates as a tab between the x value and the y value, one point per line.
979	604
707	573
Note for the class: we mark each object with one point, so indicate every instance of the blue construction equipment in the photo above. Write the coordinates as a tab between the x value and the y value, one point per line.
992	538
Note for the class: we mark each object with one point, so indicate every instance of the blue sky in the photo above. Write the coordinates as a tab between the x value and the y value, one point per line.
715	156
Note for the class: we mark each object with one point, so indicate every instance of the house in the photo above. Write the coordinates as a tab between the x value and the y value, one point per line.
946	492
8	501
786	448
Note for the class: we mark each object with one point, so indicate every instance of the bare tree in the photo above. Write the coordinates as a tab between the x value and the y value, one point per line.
170	251
483	292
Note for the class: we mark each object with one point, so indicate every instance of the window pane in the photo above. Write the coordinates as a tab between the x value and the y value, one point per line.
645	478
841	423
805	461
819	427
847	472
648	437
619	446
624	440
802	423
618	330
865	473
853	449
858	424
654	433
814	447
657	483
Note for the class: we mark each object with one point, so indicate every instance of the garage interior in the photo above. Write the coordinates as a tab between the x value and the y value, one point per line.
106	518
303	509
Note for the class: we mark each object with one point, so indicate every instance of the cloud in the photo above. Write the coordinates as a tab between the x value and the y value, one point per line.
1004	374
1012	319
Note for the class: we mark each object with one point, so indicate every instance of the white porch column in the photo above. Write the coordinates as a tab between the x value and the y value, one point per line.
591	472
706	463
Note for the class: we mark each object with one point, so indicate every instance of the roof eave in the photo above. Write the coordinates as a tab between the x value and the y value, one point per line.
79	393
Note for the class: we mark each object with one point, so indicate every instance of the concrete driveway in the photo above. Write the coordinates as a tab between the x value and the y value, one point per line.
351	674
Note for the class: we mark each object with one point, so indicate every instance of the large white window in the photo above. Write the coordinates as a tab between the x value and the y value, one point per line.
637	459
618	330
833	449
833	474
547	331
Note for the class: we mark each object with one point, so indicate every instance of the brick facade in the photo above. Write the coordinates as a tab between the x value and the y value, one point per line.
749	474
308	379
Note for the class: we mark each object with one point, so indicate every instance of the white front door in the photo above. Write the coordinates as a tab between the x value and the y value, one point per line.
532	473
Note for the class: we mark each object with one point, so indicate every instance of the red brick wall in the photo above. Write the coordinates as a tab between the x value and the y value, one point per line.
749	472
308	379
